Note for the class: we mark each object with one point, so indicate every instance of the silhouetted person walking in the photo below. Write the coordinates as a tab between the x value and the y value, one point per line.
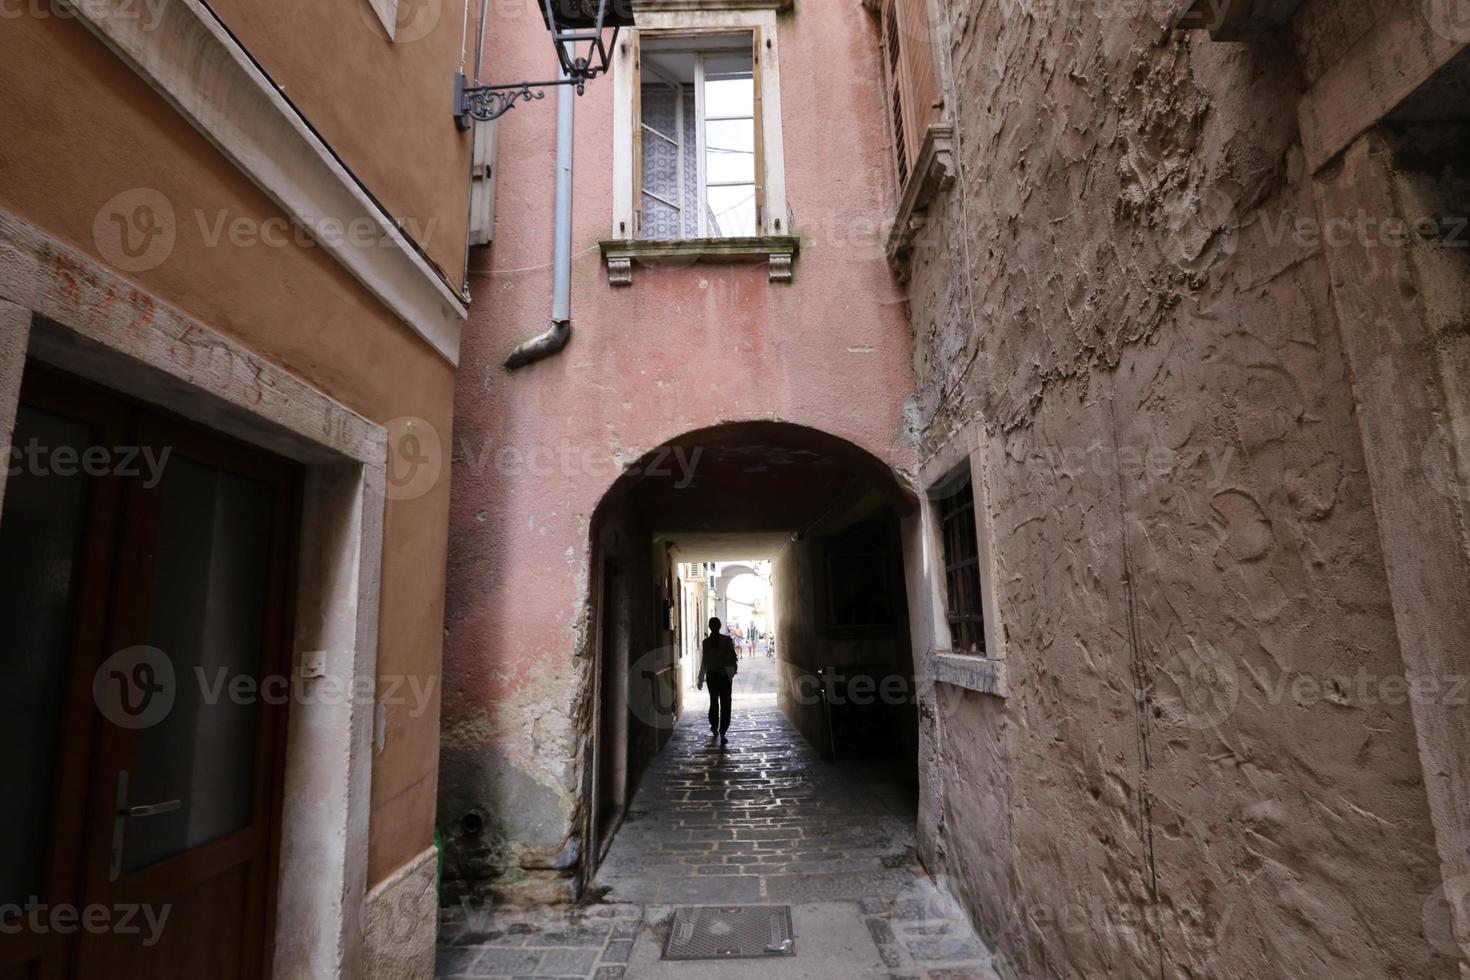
718	665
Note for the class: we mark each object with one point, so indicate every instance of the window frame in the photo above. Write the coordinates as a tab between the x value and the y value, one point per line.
968	631
966	453
757	19
701	121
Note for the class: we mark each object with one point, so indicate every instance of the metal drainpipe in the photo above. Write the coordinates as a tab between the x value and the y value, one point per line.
556	338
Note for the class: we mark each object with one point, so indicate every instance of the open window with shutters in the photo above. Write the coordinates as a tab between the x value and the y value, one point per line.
698	169
923	160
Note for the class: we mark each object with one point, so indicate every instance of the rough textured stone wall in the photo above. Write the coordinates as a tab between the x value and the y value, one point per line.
1206	764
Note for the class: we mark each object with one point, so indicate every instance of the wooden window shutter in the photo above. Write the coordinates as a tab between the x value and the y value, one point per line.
760	140
637	137
912	79
893	48
923	78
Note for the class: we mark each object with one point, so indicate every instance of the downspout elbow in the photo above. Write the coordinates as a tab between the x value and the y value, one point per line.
556	338
541	346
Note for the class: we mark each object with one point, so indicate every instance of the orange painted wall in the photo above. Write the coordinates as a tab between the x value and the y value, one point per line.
383	106
93	129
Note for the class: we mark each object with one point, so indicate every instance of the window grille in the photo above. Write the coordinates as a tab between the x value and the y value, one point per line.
962	569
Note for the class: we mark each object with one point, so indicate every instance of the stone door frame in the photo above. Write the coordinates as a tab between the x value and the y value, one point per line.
60	307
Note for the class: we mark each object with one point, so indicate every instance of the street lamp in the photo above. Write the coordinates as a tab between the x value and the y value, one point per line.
571	23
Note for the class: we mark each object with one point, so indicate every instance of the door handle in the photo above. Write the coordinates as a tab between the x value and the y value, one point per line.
122	813
119	826
151	809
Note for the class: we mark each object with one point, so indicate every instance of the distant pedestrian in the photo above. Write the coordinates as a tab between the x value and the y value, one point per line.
718	664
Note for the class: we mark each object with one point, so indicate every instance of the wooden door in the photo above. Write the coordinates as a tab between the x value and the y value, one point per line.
174	703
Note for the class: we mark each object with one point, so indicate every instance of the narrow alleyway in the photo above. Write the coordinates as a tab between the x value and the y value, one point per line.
763	822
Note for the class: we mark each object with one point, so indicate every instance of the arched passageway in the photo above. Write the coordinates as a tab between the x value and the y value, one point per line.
826	517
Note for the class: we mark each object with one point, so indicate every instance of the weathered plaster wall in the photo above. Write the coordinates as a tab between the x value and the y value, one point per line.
681	349
1400	308
1189	774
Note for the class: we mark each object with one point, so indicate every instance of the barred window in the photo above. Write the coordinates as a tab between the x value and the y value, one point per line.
962	582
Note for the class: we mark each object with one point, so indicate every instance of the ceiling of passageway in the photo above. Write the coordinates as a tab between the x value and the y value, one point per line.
753	478
728	546
742	488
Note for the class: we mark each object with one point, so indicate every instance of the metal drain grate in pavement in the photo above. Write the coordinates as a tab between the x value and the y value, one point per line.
730	932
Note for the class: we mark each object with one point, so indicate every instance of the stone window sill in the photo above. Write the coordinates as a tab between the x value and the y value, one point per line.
980	674
777	250
933	173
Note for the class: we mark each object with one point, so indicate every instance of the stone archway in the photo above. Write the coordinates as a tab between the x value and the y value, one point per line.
813	503
728	574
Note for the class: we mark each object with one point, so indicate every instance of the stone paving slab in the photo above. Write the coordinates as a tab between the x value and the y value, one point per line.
763	821
559	941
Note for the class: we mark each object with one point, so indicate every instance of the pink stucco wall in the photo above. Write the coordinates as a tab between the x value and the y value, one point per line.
683	348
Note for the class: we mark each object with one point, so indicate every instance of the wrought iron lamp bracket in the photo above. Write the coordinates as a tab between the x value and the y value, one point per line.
487	102
572	23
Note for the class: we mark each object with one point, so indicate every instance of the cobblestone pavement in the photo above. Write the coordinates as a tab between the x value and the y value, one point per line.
763	821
